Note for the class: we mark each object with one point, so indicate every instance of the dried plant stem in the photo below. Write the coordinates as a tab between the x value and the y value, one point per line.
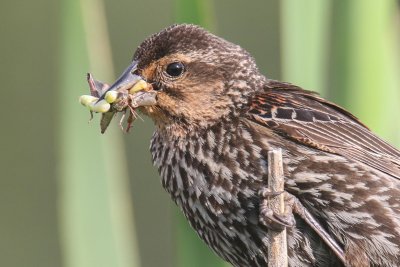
277	250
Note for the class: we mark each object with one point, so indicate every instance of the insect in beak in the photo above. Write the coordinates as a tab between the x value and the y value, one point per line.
129	92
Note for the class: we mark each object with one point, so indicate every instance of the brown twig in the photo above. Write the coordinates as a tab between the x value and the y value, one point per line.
277	250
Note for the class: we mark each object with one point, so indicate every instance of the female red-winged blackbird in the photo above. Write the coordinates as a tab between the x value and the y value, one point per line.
216	119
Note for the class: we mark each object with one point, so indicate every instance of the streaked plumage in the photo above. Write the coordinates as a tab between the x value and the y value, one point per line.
214	126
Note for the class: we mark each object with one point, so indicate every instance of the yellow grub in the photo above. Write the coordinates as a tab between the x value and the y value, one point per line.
85	100
140	85
102	106
111	96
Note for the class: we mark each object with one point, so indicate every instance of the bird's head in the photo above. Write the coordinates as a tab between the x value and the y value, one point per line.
196	78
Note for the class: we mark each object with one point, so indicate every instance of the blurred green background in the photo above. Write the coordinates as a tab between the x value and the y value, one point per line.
74	198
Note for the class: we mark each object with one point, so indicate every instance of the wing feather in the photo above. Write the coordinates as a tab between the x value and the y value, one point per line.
306	118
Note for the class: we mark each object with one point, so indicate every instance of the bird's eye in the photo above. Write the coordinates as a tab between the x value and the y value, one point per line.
175	69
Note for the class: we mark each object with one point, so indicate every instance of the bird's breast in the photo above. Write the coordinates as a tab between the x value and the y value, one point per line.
220	163
215	178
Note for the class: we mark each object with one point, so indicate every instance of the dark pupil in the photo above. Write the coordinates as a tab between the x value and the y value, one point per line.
175	69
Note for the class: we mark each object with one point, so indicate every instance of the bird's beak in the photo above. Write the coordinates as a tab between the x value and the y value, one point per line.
129	83
125	82
129	90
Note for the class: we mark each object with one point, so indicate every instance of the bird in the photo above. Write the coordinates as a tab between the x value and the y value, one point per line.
216	118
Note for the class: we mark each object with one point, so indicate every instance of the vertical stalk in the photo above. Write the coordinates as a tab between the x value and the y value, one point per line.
95	210
305	32
367	63
200	12
277	249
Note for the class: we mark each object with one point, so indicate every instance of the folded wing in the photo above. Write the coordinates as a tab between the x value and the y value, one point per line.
312	121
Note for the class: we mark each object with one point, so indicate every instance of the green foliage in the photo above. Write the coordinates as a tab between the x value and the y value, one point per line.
95	210
365	63
305	32
200	12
